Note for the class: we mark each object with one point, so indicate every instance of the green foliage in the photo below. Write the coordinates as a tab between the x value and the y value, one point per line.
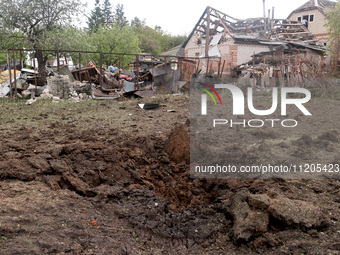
149	39
104	16
96	18
170	41
32	18
154	40
67	38
120	19
334	25
107	12
136	22
115	39
44	25
35	22
9	39
3	58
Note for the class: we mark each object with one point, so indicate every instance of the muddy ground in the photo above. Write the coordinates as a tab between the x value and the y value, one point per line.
106	177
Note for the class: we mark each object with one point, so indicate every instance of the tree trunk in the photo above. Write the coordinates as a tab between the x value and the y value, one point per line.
42	60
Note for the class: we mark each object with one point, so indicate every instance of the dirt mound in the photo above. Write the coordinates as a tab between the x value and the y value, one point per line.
178	145
255	214
81	166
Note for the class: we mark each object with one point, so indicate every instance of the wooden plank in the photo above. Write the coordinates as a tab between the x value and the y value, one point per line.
299	33
95	67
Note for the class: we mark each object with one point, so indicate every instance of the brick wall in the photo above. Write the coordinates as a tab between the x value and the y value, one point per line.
232	55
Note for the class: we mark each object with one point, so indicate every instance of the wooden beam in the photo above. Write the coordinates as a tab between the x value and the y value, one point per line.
207	34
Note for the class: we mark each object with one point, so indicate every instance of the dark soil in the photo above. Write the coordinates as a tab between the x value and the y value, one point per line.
111	178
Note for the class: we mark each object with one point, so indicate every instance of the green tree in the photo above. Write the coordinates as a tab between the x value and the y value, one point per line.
107	12
34	19
136	22
120	19
68	38
154	40
149	39
96	18
334	25
115	39
168	41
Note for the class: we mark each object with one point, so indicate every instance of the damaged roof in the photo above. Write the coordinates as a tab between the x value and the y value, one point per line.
320	5
254	30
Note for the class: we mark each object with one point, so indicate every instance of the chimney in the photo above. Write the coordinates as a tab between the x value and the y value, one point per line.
264	8
316	3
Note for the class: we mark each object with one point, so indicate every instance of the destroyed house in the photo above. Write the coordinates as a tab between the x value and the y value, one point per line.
230	42
314	12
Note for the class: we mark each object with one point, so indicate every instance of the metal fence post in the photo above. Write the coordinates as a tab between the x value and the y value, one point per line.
15	74
101	70
10	74
58	62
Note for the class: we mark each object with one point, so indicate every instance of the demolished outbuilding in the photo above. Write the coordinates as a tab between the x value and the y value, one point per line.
223	42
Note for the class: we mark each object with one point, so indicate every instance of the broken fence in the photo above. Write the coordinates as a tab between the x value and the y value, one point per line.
169	72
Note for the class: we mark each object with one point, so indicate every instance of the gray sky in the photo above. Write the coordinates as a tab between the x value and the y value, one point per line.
180	16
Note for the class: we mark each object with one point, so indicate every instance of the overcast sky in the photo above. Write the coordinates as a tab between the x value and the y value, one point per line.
178	17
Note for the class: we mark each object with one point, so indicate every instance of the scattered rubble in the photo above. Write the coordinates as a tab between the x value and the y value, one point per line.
59	86
282	67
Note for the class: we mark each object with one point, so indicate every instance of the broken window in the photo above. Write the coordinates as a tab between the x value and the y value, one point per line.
299	19
197	54
311	18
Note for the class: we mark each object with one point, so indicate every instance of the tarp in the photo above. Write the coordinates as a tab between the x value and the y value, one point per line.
4	82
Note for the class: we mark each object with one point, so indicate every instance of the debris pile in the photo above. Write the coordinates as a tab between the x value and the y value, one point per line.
288	68
59	86
222	42
142	78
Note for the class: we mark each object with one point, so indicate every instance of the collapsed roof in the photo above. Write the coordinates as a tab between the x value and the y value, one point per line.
259	30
